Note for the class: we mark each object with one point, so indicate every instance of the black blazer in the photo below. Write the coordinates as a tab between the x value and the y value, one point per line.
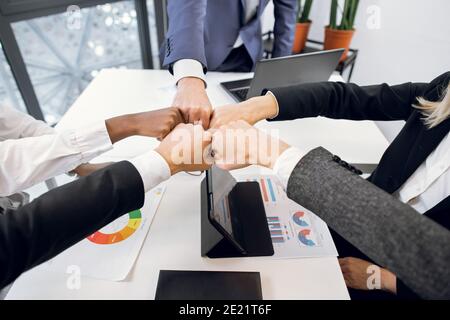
64	216
382	102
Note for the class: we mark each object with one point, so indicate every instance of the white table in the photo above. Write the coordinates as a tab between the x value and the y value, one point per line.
116	92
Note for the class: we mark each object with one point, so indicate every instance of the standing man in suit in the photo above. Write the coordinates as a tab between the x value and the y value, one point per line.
218	35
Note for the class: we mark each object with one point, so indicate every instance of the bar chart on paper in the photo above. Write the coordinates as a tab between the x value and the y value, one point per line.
278	232
271	191
110	252
294	230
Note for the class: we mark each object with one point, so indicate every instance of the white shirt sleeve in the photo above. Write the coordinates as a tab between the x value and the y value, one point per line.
153	169
286	163
27	161
276	102
188	68
15	124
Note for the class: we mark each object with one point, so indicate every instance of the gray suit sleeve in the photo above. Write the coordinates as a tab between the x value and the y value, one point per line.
388	231
185	37
285	12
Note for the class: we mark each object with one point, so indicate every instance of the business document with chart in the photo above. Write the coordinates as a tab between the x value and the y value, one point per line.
296	232
111	252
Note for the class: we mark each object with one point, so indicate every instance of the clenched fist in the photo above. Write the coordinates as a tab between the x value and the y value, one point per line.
238	144
251	111
186	148
156	124
193	102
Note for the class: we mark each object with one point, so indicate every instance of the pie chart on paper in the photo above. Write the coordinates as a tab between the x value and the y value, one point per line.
119	230
303	237
299	219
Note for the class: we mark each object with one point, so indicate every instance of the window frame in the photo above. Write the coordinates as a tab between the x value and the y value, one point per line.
13	11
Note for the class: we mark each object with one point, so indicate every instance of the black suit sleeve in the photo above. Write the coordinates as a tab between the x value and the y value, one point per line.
64	216
338	100
405	293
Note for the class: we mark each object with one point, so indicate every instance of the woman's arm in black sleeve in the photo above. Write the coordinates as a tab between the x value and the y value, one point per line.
338	100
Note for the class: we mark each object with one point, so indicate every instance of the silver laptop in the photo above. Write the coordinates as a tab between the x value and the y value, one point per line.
285	71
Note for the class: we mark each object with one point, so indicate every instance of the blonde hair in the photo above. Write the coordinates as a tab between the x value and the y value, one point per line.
435	112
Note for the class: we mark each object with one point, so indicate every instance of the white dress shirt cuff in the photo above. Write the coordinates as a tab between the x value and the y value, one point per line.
286	163
91	140
276	102
153	169
188	68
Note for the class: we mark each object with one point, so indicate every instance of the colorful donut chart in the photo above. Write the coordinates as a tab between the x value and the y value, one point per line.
302	236
134	221
298	218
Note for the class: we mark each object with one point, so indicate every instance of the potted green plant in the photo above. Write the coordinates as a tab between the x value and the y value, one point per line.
302	26
340	35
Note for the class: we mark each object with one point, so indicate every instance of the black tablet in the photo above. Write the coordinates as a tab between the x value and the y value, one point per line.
208	285
219	184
